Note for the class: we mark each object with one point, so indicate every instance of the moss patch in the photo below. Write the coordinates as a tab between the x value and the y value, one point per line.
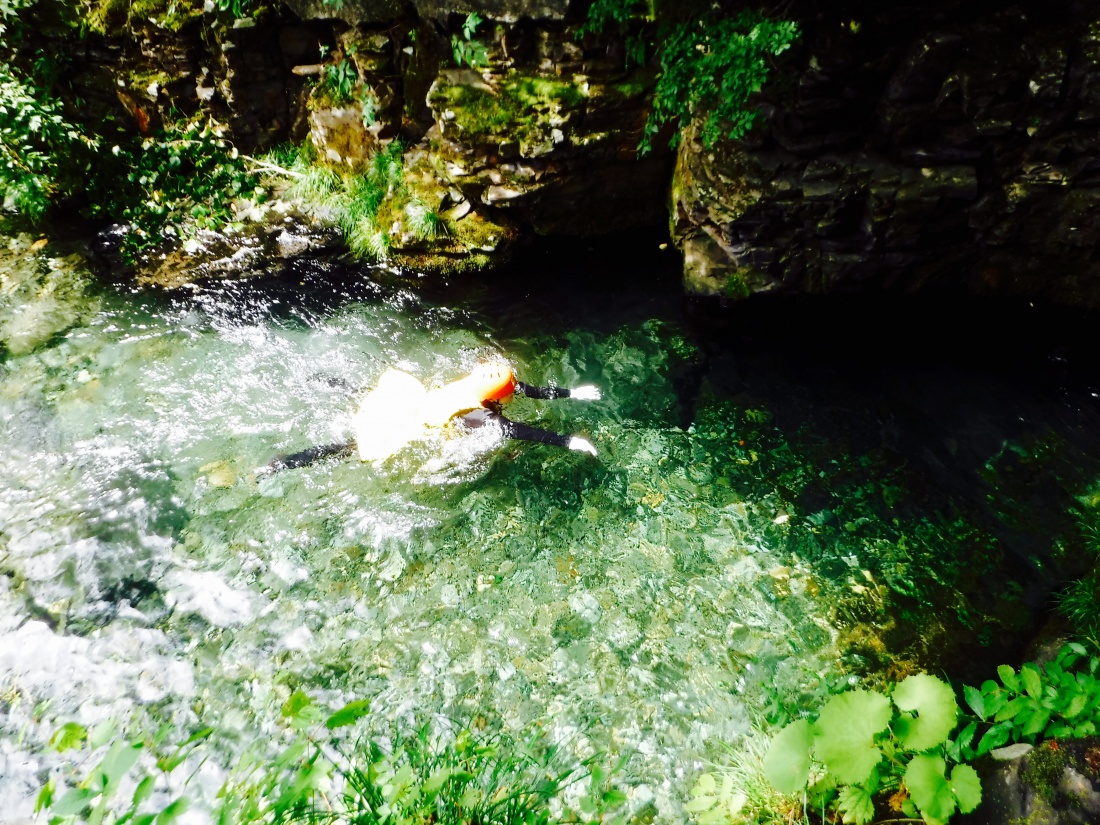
1044	768
522	105
112	16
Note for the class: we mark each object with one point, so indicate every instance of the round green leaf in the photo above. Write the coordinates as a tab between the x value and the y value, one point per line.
967	787
787	763
845	732
929	788
937	711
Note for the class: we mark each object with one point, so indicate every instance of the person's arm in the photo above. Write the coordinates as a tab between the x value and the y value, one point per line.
525	432
588	392
305	457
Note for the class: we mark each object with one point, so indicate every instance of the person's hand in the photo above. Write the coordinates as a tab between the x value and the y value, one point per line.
589	392
581	445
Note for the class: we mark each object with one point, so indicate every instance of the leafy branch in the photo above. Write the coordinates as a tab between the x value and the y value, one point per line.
465	48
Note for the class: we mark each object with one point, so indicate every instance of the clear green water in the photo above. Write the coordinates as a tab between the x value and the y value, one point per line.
650	602
628	602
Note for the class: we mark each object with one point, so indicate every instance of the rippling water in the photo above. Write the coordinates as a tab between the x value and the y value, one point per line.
148	568
648	601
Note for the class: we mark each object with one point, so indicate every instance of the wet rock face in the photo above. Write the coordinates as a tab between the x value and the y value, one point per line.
541	139
1057	783
556	151
910	147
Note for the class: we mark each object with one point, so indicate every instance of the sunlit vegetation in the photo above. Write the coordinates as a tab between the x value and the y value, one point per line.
165	185
865	755
387	774
373	208
711	64
185	178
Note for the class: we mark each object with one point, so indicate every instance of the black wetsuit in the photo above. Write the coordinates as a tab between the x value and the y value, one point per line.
514	429
473	419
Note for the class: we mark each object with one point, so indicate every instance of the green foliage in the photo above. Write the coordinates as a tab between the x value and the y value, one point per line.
739	792
238	8
365	206
39	148
711	68
339	81
933	702
102	794
424	222
787	765
467	50
711	64
865	743
604	15
182	179
845	733
1080	602
1059	699
402	776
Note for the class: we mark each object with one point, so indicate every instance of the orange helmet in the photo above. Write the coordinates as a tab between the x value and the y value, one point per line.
492	381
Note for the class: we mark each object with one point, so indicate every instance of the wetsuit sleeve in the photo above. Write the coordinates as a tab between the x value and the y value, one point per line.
514	429
307	457
532	391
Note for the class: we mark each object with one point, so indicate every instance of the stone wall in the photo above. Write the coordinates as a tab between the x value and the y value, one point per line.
910	146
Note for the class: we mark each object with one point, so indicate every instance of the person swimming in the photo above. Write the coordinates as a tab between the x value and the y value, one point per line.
400	409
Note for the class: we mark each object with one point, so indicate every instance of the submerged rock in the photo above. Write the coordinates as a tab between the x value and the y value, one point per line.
40	296
266	247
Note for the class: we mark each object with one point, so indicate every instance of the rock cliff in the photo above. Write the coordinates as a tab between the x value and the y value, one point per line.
538	137
931	145
934	146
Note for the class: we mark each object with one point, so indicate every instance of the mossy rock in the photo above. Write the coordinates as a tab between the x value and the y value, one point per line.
1057	783
533	111
475	243
116	16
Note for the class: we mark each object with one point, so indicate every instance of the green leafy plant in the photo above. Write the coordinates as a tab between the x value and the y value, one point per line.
368	103
466	49
1059	699
710	68
39	148
864	743
238	8
97	797
186	177
339	81
711	63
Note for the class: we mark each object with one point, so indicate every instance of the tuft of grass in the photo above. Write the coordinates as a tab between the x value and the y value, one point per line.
738	791
365	206
424	223
1080	604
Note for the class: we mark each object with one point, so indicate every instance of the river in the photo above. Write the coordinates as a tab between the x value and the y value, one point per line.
769	486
